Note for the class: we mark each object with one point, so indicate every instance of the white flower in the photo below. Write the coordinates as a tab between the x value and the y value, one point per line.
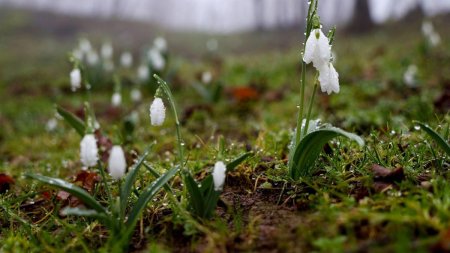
428	31
219	175
88	150
143	72
85	45
435	39
51	125
317	49
427	28
106	51
116	99
329	79
117	163
78	54
75	79
206	77
92	57
157	60
160	44
136	95
126	59
409	77
157	112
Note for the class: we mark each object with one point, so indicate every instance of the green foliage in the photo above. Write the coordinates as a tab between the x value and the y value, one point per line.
72	120
437	138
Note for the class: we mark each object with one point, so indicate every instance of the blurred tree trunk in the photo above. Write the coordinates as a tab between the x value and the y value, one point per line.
361	21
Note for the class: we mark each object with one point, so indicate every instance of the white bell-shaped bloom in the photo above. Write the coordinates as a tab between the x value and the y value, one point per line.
157	112
219	175
92	57
89	150
106	51
206	77
329	79
160	44
143	72
85	45
317	49
75	79
427	28
78	54
117	163
135	95
116	99
126	59
157	60
435	39
409	77
51	125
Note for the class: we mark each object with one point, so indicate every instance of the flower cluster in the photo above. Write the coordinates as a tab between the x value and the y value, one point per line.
318	51
428	31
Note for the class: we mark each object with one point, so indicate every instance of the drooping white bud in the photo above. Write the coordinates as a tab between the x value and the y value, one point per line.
78	54
219	175
157	112
116	99
126	59
160	44
117	163
92	57
85	45
157	60
75	79
206	77
106	51
51	125
143	73
317	49
88	150
329	79
409	77
136	95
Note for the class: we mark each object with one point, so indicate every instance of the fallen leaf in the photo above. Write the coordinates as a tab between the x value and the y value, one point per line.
104	144
243	93
87	180
386	175
5	182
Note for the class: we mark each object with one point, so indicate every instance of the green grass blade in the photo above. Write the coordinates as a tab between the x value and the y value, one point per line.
72	189
436	137
147	195
233	164
309	148
73	120
129	181
211	197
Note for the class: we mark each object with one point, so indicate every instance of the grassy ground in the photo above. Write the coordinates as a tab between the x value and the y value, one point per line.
346	206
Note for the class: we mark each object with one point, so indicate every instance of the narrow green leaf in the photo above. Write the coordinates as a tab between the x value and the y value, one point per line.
211	197
147	195
436	137
129	181
156	175
72	189
196	201
73	120
308	150
233	164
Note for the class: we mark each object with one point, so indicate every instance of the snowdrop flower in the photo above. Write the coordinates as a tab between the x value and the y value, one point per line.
206	77
143	72
435	39
88	150
136	95
157	60
85	45
427	28
117	163
317	49
312	126
428	31
116	99
77	54
51	125
160	44
92	57
126	59
329	79
75	79
106	51
409	77
219	175
157	112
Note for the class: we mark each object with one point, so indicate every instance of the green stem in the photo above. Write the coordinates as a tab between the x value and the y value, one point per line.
105	183
302	101
166	89
308	116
